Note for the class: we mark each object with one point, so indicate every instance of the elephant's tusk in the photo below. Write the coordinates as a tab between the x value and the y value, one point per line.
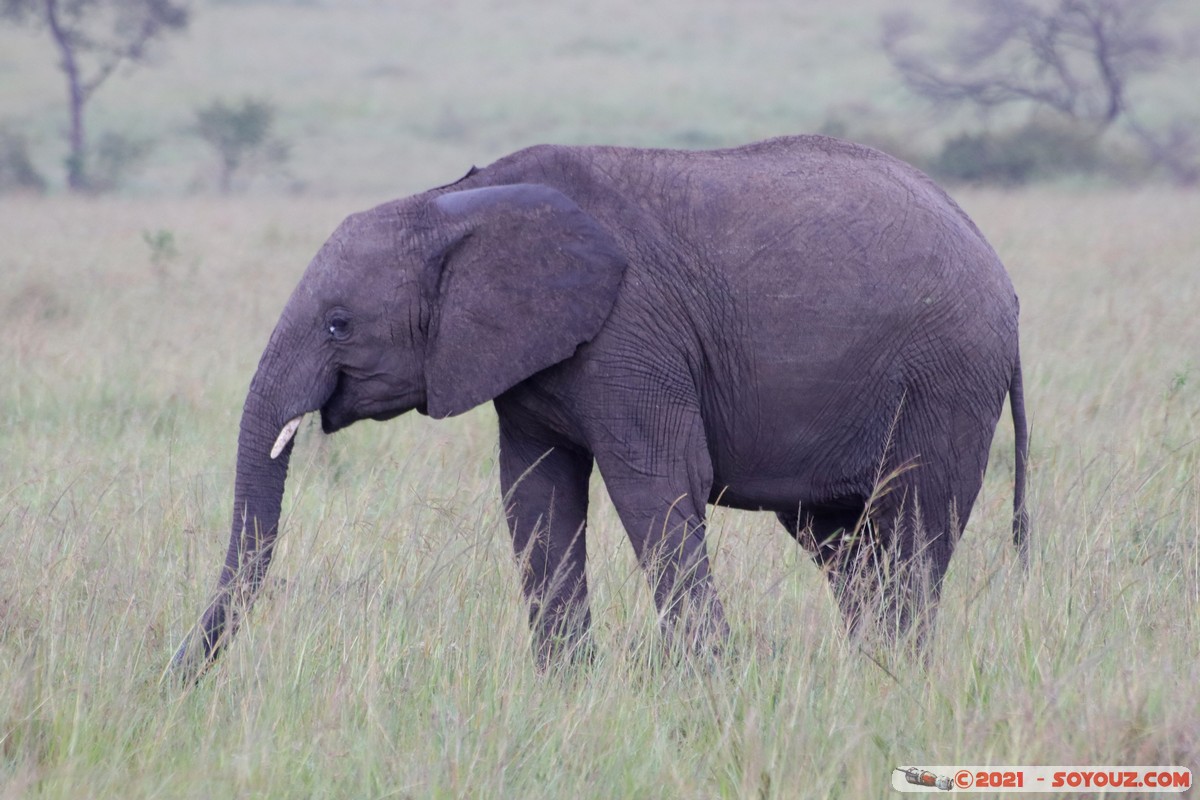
285	435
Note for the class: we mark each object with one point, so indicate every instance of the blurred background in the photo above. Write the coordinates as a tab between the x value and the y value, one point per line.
383	99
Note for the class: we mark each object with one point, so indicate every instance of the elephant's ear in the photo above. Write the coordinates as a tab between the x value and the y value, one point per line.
527	278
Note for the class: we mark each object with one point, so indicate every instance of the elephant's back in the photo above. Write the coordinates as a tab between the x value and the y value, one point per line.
803	239
798	208
843	231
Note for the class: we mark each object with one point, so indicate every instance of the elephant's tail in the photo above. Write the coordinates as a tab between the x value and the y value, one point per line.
1016	400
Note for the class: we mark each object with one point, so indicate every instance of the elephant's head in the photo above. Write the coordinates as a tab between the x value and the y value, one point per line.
438	303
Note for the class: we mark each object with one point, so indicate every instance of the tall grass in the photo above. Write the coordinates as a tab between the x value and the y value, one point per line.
389	655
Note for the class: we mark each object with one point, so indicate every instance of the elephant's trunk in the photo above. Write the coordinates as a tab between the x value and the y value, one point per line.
262	465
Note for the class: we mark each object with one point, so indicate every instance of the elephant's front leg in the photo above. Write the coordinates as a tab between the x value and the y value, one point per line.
660	489
546	497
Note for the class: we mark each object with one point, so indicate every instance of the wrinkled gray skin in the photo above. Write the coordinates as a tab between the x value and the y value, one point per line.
774	327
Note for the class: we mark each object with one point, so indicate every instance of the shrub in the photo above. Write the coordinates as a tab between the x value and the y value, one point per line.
114	158
162	249
17	171
241	134
1037	150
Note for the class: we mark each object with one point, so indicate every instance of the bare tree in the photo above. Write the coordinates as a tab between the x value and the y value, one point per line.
1075	57
93	39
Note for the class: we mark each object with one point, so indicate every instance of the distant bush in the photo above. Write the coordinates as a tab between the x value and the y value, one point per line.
163	250
17	172
1035	151
242	134
115	157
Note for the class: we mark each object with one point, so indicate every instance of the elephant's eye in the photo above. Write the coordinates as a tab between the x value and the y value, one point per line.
338	326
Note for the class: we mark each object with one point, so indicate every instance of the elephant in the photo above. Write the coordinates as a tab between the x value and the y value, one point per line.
802	325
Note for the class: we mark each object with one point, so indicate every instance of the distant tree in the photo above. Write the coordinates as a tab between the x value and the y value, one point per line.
241	133
93	39
1074	57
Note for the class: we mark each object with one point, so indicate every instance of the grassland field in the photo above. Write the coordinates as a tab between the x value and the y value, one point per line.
389	656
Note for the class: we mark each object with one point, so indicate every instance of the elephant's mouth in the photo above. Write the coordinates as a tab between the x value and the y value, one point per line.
332	421
342	410
335	412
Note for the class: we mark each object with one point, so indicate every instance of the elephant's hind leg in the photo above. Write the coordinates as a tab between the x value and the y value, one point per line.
884	568
917	518
842	547
915	529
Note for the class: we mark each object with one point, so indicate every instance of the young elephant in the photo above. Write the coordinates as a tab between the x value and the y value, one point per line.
802	325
